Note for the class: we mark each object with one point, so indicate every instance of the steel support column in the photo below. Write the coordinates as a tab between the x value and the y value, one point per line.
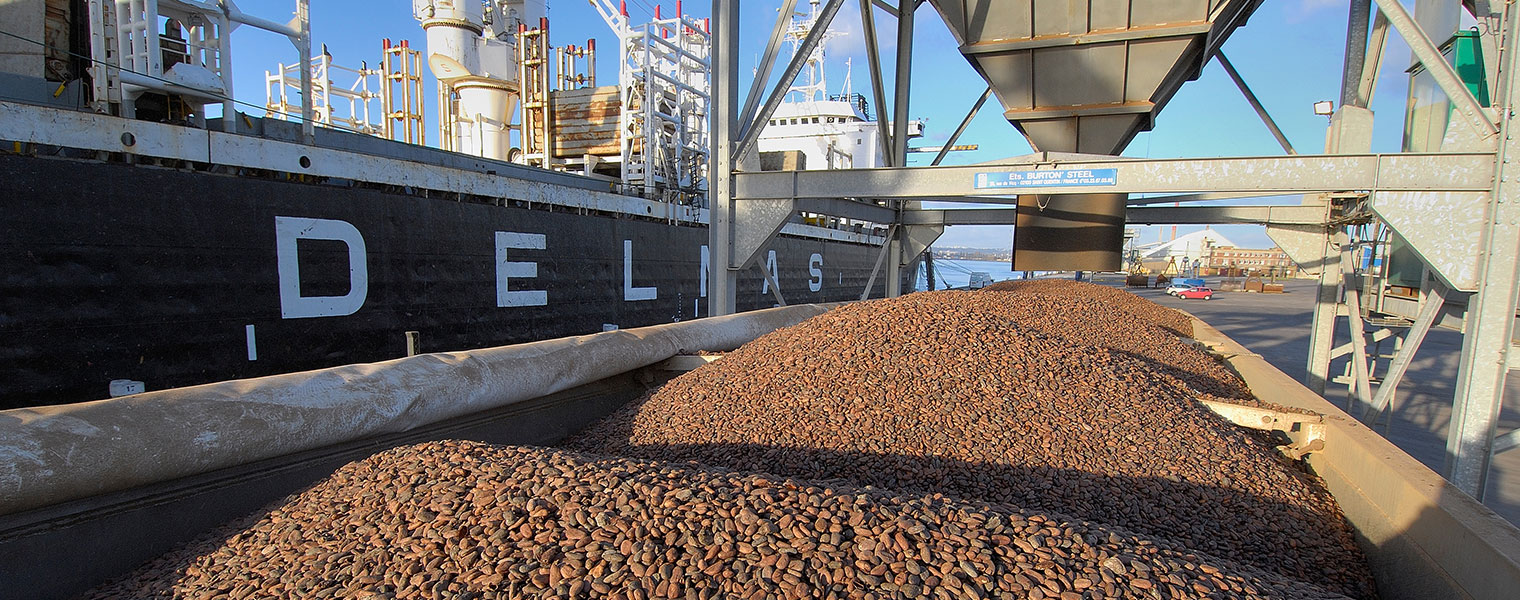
1361	378
898	260
1429	311
895	263
1491	26
1356	53
1490	321
749	131
770	281
878	94
722	280
1326	308
887	247
905	12
1338	140
1377	41
1507	442
914	242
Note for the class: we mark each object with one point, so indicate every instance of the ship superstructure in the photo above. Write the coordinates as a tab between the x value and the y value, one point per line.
813	129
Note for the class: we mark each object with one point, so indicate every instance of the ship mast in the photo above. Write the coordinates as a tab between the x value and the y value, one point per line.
813	84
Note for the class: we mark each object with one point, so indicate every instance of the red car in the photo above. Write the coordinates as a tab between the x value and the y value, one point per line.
1196	293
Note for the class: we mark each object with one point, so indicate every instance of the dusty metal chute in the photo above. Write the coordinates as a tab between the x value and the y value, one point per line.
1088	76
1085	77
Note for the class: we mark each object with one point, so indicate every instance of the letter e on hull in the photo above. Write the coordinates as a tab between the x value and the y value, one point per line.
507	270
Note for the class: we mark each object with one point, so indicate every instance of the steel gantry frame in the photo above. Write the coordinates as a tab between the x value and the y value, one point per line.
1458	208
741	229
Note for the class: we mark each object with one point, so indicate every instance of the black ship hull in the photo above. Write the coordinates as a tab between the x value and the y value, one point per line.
175	277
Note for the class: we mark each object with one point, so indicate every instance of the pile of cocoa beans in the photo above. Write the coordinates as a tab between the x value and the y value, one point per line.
1048	402
1042	442
1141	308
462	520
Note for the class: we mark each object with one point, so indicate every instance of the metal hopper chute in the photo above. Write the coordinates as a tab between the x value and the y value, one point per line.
1086	76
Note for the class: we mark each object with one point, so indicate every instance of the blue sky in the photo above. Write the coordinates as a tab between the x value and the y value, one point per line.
1290	53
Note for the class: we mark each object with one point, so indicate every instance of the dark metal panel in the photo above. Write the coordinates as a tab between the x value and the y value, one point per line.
1108	14
1110	131
1011	76
1069	233
1157	12
130	272
1152	61
954	14
998	20
1077	75
1054	18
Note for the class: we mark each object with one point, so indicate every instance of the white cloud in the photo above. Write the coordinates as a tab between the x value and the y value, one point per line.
1303	10
850	39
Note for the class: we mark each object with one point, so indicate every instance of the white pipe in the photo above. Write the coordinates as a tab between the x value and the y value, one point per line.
488	105
470	11
291	30
454	30
302	42
144	81
224	59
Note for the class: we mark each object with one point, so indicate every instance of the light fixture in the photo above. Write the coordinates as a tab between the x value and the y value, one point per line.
1324	108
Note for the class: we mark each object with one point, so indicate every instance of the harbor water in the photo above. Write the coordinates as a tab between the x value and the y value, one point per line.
952	273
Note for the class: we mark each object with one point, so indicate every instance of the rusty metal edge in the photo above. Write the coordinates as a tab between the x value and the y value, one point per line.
1423	537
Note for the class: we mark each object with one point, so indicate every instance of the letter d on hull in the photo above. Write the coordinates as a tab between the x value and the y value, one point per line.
292	304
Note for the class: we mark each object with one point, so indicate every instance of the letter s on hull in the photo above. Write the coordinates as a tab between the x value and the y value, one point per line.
815	271
292	304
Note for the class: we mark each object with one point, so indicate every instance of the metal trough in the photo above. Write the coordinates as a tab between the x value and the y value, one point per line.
1423	538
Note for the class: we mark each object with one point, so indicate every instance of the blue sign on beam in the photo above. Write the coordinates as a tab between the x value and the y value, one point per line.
1046	178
